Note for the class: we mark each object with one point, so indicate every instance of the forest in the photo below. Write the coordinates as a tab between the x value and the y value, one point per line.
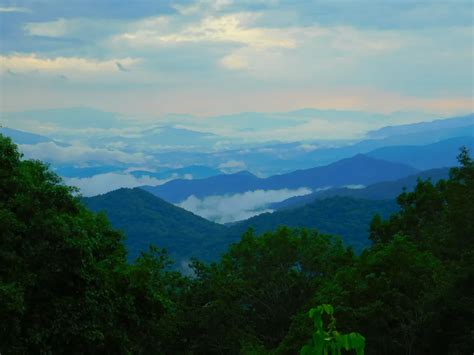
66	285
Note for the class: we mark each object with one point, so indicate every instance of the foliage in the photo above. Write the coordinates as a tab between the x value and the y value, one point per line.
251	295
65	285
412	291
330	340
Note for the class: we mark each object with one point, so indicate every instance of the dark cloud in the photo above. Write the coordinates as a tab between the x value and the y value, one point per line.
121	67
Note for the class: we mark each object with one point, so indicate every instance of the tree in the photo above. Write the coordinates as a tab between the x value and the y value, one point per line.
331	341
65	285
259	285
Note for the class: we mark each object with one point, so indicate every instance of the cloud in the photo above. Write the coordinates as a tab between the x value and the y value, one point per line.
77	154
103	183
57	28
271	55
121	67
230	28
231	208
32	62
355	187
232	165
307	147
14	9
234	28
234	62
200	6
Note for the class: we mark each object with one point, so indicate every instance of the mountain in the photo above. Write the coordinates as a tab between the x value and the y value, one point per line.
436	155
386	190
359	169
21	137
344	216
146	219
424	127
178	190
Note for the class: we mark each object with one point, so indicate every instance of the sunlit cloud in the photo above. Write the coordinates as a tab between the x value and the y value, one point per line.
235	28
32	62
225	56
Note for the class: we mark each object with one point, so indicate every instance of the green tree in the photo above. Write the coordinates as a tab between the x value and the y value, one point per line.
325	341
260	284
65	285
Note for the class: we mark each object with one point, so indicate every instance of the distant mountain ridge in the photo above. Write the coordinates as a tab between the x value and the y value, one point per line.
359	169
440	124
21	137
386	190
435	155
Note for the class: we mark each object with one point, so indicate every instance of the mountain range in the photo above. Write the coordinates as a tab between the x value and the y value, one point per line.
146	219
125	144
386	190
358	170
345	182
439	154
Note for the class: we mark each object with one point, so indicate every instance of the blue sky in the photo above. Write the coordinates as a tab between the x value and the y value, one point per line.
213	57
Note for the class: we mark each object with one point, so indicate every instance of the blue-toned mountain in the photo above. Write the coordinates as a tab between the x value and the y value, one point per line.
357	170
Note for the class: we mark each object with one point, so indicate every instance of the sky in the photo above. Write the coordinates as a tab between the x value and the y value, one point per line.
215	57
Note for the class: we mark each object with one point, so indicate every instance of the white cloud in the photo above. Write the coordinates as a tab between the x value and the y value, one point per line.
231	208
307	147
14	9
235	28
78	154
103	183
311	52
32	62
354	187
231	28
57	28
232	165
234	61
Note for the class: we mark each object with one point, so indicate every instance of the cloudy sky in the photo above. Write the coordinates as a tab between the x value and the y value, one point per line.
214	57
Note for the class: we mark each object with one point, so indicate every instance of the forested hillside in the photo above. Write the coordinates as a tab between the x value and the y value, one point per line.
66	286
346	217
147	219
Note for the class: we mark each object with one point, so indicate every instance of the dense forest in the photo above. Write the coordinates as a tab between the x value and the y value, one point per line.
147	219
66	285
